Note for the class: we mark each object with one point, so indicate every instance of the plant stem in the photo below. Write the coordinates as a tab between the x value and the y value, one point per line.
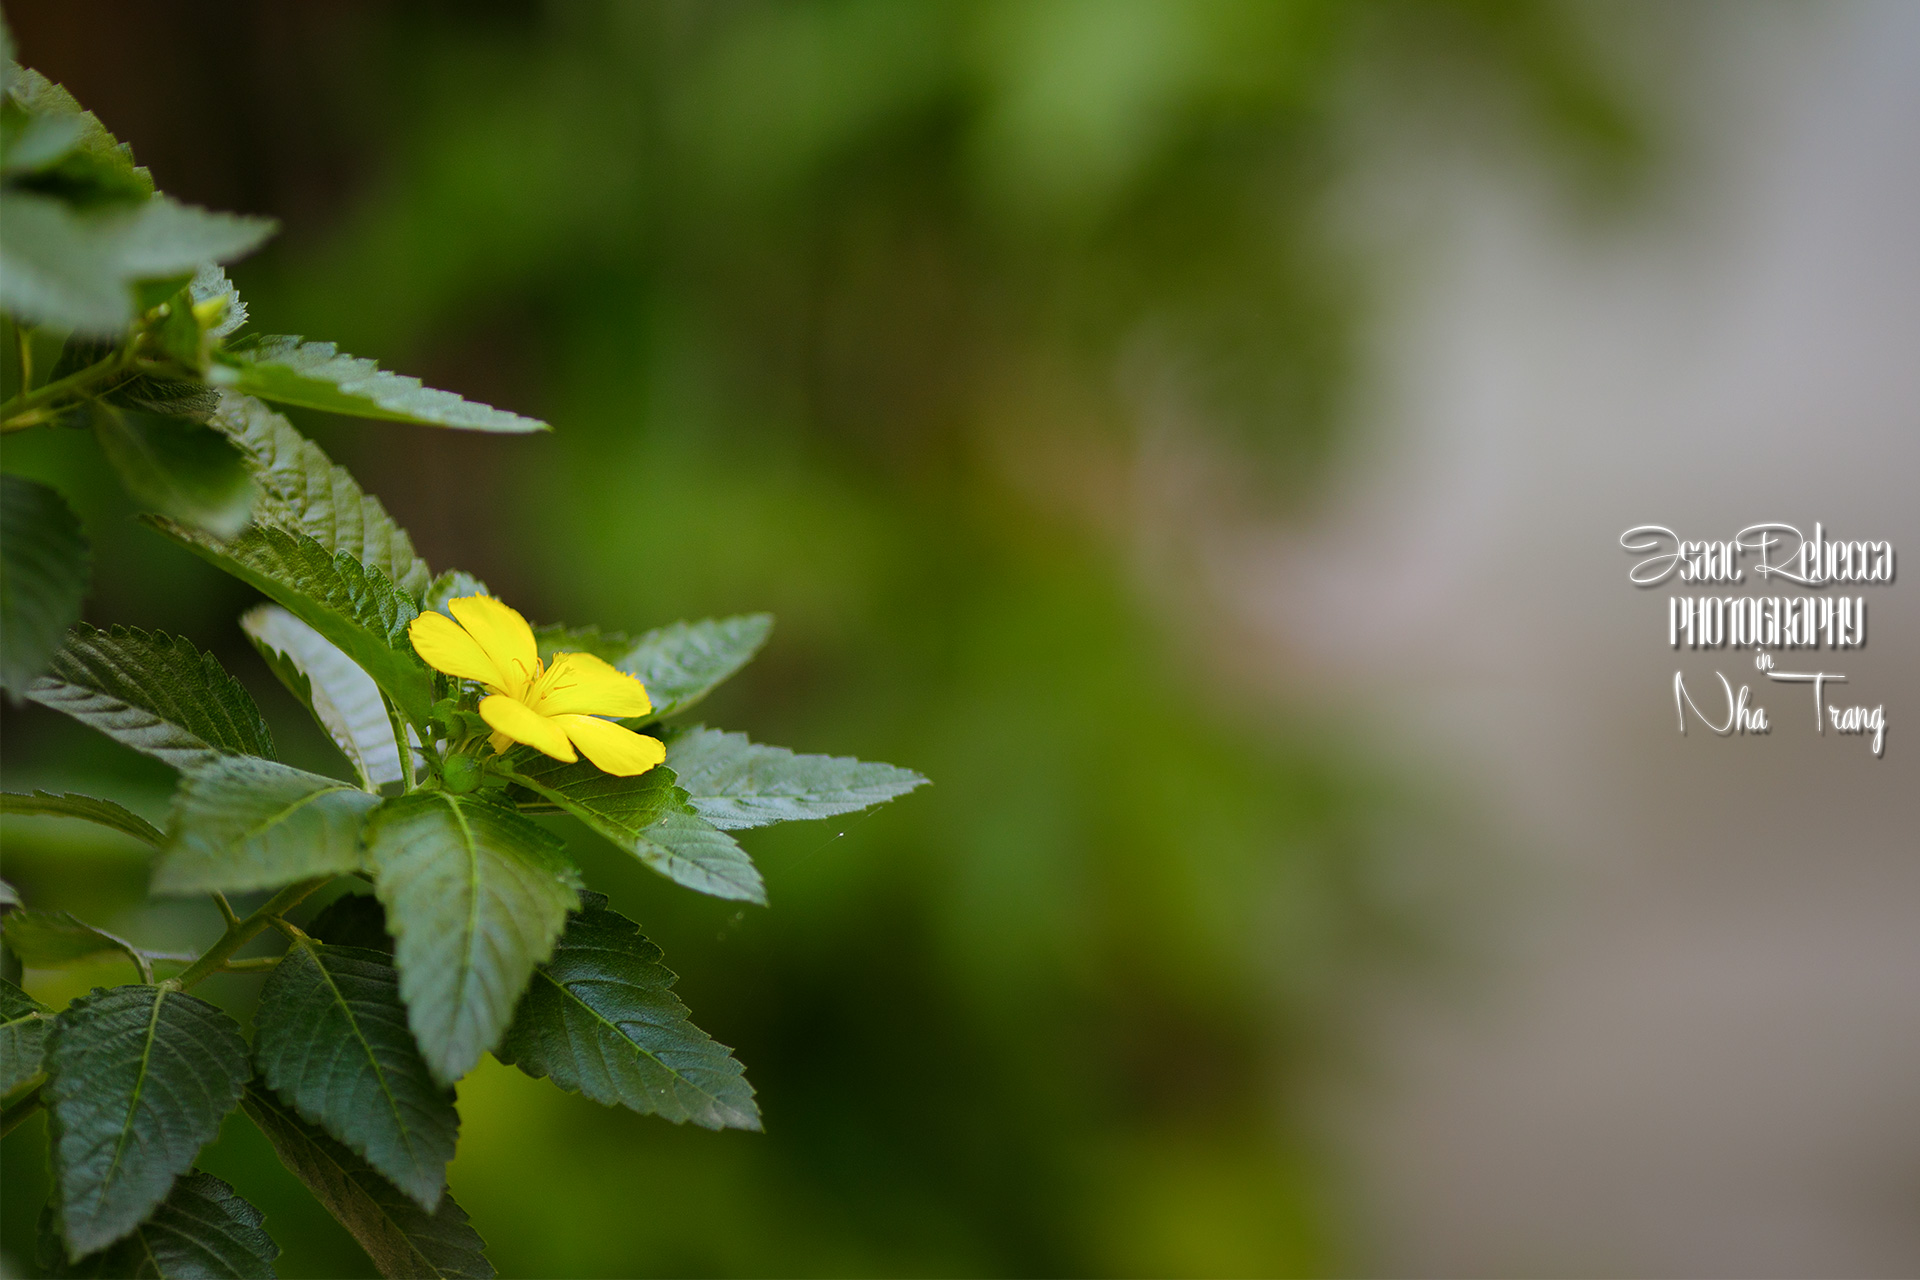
226	909
242	932
19	1111
258	964
19	411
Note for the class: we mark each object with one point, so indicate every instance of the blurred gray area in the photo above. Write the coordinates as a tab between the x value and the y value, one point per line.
1699	1051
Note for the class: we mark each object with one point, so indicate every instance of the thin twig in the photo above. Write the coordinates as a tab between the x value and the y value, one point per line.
240	933
17	1112
16	412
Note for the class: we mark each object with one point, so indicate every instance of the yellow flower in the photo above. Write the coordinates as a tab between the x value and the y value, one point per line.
554	708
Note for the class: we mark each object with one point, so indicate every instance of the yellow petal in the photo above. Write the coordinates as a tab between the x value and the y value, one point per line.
504	635
612	748
581	684
443	645
523	724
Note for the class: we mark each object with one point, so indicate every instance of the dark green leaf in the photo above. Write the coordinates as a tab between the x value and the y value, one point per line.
648	816
682	663
139	1079
202	1231
342	697
332	1040
177	468
601	1019
53	939
45	566
734	783
475	896
353	920
155	693
241	823
357	609
316	375
302	491
23	1036
72	805
401	1239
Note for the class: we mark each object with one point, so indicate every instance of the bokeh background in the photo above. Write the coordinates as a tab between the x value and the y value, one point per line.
1195	435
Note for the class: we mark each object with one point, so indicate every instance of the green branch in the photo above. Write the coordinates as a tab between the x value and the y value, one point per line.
23	409
239	934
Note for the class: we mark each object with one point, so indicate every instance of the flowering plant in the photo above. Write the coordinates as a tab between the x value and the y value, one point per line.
464	928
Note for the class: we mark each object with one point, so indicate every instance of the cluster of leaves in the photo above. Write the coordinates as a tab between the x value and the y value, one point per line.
477	935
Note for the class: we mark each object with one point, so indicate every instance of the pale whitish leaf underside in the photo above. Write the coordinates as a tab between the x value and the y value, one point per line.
342	697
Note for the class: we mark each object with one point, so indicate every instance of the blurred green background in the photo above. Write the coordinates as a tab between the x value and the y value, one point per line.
876	316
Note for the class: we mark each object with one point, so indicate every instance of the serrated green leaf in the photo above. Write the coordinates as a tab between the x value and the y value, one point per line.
139	1079
241	823
343	698
57	267
332	1040
610	645
171	239
735	784
45	568
177	468
353	920
475	896
23	1036
452	585
203	1230
401	1239
78	267
155	693
40	143
601	1019
302	491
105	169
54	939
74	805
682	664
210	284
317	375
650	817
355	607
